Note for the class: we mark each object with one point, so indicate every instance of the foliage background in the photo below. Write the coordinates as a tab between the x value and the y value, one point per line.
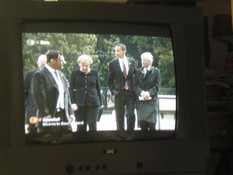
101	48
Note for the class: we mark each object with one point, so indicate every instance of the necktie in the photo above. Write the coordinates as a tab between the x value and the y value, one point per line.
125	75
56	74
60	101
144	71
124	69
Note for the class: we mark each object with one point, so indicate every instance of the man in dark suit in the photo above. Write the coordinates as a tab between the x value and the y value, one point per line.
50	91
146	85
120	82
30	107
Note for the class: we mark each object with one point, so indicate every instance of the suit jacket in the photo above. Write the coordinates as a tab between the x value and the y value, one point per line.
85	89
151	82
45	93
147	110
116	79
30	107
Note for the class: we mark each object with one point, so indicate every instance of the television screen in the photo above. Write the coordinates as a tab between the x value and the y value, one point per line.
99	44
178	144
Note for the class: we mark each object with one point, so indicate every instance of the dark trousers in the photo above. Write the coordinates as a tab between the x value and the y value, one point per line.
125	104
89	116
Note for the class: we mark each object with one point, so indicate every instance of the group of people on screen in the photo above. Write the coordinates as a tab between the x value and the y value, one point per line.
54	103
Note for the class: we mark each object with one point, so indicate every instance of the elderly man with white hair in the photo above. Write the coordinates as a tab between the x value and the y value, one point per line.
146	85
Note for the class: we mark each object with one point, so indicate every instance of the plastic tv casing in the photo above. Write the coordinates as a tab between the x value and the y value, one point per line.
184	153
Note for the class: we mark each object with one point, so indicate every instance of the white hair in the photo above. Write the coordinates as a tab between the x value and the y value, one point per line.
147	55
84	58
42	58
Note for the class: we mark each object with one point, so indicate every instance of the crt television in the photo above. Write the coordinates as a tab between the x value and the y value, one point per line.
180	149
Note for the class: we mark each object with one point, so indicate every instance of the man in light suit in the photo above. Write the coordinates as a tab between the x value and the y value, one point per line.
50	91
120	82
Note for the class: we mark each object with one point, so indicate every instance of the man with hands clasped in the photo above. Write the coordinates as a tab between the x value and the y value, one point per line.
146	86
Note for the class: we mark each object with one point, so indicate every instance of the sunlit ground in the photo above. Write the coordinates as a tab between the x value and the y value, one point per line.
108	122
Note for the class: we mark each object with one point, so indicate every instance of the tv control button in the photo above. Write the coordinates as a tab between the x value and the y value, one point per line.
69	169
139	165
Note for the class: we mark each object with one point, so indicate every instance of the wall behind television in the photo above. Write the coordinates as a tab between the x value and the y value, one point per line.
218	50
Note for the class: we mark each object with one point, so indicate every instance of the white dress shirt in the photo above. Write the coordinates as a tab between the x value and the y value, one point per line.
57	78
121	60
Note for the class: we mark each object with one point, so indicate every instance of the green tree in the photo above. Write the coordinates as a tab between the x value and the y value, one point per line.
101	49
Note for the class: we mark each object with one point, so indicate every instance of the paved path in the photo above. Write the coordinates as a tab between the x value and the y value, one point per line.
108	122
